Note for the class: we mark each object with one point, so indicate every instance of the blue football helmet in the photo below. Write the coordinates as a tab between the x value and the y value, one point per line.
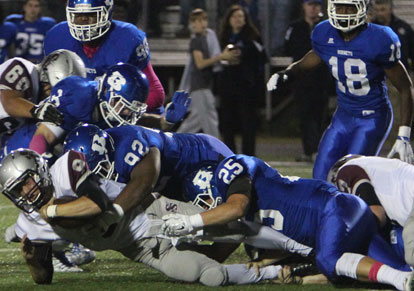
123	93
347	22
96	145
199	188
87	32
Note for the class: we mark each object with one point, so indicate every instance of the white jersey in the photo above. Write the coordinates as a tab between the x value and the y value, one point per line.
20	75
392	179
67	173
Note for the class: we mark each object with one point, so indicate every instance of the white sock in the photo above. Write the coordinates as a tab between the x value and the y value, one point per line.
388	275
238	274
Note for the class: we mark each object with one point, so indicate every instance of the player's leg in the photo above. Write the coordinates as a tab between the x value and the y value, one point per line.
370	133
333	145
383	251
163	206
190	266
343	238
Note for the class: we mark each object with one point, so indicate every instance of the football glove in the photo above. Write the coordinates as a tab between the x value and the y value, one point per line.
176	110
178	224
402	146
47	112
277	79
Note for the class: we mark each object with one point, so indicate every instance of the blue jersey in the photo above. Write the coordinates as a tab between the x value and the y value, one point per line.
180	153
30	36
123	42
311	212
77	99
21	138
358	65
8	33
291	205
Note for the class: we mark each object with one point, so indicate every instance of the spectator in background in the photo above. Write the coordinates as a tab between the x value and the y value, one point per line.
8	33
203	114
32	28
251	6
240	84
186	7
383	14
311	92
279	12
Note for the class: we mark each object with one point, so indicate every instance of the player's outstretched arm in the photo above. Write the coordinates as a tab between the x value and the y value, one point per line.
175	112
234	208
38	257
15	104
308	63
399	77
144	176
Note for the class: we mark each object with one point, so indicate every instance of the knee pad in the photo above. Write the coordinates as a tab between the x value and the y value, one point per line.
215	276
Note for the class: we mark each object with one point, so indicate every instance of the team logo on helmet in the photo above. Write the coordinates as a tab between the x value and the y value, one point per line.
116	81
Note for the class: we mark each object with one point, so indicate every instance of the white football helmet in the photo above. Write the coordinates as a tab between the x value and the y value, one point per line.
347	22
59	65
87	32
15	170
333	172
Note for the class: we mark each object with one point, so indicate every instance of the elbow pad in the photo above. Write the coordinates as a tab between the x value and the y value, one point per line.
90	188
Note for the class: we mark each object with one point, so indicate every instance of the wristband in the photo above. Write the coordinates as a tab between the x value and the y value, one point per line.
196	221
118	210
51	211
404	131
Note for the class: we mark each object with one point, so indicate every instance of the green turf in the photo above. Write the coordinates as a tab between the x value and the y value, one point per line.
111	271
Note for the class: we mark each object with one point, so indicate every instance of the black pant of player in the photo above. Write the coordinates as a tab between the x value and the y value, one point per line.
312	109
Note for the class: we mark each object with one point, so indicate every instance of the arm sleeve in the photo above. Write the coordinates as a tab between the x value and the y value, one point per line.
156	96
90	188
241	185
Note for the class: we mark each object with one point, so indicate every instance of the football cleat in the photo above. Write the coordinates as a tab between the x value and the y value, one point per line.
79	255
61	264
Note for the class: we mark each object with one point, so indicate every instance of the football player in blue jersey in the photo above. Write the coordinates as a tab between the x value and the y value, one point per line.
360	55
118	99
146	159
338	226
102	42
32	29
8	31
24	85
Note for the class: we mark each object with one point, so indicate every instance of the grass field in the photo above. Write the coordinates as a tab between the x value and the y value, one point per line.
111	271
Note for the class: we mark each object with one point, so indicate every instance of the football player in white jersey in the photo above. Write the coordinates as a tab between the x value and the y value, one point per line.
23	85
35	189
387	185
